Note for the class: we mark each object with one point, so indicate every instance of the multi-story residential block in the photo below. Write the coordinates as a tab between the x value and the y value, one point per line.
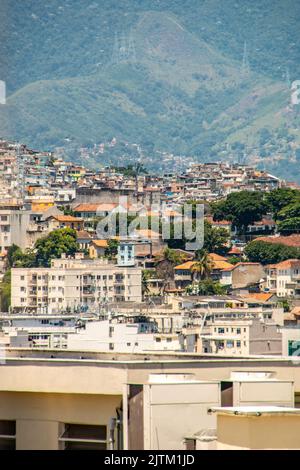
73	285
284	278
14	223
238	337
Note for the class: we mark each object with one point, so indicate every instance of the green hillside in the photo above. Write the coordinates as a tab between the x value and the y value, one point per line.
167	75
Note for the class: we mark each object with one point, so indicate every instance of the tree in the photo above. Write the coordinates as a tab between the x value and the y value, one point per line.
203	266
67	210
206	287
280	198
234	260
112	249
146	275
18	259
14	252
242	209
5	292
269	253
54	245
215	239
289	226
289	212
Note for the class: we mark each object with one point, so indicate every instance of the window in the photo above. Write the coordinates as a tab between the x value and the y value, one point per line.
238	331
128	344
238	344
221	330
7	435
230	344
83	437
158	340
111	346
169	340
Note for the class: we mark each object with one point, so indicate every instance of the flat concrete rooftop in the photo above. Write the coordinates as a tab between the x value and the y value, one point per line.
23	354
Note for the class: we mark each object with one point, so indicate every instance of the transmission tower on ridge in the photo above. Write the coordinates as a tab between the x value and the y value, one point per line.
245	63
124	50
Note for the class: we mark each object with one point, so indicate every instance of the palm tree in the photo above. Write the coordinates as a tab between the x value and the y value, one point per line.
146	274
202	267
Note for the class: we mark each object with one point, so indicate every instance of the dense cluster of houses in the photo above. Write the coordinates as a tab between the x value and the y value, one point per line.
40	193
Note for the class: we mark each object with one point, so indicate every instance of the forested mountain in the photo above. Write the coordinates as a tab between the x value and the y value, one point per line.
192	77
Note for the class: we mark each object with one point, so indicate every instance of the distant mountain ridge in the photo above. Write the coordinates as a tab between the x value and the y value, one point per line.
160	84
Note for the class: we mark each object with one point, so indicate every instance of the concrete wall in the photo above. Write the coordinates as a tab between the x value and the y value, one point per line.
258	432
264	338
246	274
38	415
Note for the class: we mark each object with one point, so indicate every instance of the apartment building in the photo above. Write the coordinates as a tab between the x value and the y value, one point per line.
13	226
123	334
72	285
241	337
284	278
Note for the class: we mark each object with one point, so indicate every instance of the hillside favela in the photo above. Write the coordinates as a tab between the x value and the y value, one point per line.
150	227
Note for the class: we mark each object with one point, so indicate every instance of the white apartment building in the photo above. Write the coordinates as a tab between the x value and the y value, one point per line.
13	226
73	285
284	278
125	335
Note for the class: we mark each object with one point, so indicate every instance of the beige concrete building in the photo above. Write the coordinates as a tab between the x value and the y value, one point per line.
241	337
73	284
66	400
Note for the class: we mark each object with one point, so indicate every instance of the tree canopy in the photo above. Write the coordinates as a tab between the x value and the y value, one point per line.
54	245
269	253
242	209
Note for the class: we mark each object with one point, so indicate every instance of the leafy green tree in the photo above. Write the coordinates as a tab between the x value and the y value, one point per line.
54	245
234	260
112	249
18	259
280	198
242	209
5	292
67	210
14	252
289	212
285	304
289	226
215	239
269	253
206	287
